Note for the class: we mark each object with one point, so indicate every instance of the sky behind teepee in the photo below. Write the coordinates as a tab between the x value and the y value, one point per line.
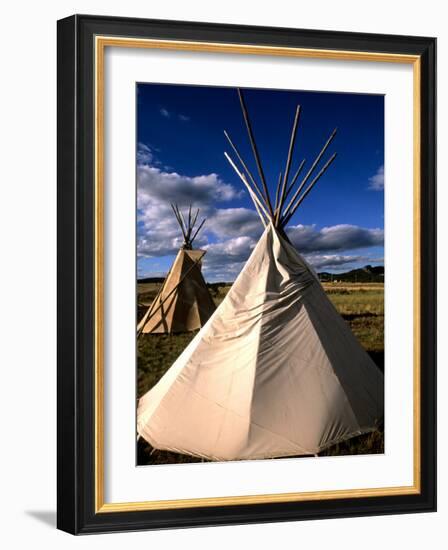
180	158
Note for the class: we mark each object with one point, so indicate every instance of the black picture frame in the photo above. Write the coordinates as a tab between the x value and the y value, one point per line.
76	511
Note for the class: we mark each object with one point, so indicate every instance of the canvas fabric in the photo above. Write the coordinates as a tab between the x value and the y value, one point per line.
187	308
275	371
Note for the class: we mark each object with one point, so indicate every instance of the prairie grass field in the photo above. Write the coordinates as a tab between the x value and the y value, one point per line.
360	304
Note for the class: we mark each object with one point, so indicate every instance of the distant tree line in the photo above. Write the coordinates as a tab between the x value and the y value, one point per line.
366	274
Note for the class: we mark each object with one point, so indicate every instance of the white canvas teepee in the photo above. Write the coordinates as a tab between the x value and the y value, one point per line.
184	302
275	371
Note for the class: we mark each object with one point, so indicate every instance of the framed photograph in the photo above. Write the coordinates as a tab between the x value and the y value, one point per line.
246	271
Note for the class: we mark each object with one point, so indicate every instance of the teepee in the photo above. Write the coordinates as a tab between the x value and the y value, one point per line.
276	371
183	303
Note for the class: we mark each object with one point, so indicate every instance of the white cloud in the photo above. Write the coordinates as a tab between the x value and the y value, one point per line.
237	233
229	234
335	261
223	261
158	230
155	185
306	238
235	250
376	182
170	114
145	154
234	222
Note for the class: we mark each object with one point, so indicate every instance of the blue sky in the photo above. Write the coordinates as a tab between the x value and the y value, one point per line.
180	158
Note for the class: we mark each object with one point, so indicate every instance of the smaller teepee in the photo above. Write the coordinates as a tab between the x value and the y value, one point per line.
183	303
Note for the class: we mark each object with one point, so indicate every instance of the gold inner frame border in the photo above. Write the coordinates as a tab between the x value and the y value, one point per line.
101	42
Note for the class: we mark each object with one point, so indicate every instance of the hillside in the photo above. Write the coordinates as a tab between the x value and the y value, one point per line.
367	274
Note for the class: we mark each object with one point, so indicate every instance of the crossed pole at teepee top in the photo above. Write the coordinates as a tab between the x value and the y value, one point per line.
187	228
279	214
